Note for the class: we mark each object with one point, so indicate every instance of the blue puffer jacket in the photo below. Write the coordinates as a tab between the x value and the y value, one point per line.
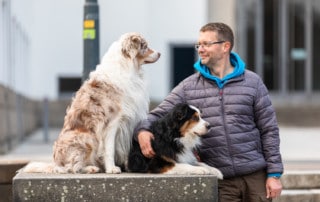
244	135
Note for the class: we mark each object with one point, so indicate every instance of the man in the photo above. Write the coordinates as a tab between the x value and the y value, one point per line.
243	139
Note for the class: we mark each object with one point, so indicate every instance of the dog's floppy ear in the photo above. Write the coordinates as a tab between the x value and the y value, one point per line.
131	45
181	111
179	115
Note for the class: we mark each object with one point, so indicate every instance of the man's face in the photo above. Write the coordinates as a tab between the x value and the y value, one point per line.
209	53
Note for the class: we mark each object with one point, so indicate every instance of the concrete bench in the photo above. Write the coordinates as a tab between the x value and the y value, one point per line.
298	186
114	187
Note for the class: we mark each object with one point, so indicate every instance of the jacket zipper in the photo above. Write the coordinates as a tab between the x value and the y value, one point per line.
220	97
225	125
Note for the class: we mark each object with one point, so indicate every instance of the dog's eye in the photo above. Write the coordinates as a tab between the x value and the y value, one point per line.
195	118
144	45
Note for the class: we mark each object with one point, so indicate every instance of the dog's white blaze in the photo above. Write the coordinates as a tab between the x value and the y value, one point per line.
195	108
201	127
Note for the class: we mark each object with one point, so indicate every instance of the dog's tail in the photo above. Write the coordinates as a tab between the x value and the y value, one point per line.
40	167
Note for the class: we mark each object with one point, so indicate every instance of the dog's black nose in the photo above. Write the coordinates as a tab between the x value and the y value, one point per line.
208	125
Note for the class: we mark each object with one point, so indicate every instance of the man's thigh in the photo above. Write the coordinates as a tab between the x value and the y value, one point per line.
248	188
230	190
256	186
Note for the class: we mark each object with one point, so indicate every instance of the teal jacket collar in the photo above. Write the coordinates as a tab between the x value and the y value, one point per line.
236	61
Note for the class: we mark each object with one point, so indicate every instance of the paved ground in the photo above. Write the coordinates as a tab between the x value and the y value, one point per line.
299	147
34	148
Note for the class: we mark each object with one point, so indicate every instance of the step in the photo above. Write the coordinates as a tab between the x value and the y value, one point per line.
114	187
309	179
308	195
300	186
8	169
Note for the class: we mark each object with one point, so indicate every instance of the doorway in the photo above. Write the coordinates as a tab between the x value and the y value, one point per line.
183	56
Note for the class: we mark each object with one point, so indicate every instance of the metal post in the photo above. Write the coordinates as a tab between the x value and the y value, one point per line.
259	39
283	46
45	120
90	37
308	46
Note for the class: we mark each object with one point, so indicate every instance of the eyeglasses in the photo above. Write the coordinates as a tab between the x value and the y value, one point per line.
207	44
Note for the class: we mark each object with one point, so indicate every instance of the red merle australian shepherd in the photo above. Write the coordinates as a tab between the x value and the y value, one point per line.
176	135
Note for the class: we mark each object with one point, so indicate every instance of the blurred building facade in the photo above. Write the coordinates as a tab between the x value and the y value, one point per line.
41	42
280	41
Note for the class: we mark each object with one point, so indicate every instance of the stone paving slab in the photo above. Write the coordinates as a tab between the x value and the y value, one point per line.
300	143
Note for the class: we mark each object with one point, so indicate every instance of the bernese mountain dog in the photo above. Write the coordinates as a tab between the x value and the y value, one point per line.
176	136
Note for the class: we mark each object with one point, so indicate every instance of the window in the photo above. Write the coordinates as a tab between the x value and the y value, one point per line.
182	59
68	86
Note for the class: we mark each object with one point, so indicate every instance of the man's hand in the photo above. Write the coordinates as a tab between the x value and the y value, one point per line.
274	187
144	139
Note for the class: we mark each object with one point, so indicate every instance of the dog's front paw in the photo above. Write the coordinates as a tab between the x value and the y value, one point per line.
212	170
203	170
216	172
113	170
90	169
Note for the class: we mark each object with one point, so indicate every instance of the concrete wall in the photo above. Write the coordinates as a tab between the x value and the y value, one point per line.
19	116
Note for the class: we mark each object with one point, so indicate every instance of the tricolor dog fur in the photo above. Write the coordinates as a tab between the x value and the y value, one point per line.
176	136
99	123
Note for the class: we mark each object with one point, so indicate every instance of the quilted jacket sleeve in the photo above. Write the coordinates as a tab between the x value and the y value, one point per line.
266	121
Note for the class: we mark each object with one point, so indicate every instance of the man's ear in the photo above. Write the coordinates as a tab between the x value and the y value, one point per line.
227	46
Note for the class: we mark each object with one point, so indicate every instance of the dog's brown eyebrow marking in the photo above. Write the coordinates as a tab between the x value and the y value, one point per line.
195	116
190	123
